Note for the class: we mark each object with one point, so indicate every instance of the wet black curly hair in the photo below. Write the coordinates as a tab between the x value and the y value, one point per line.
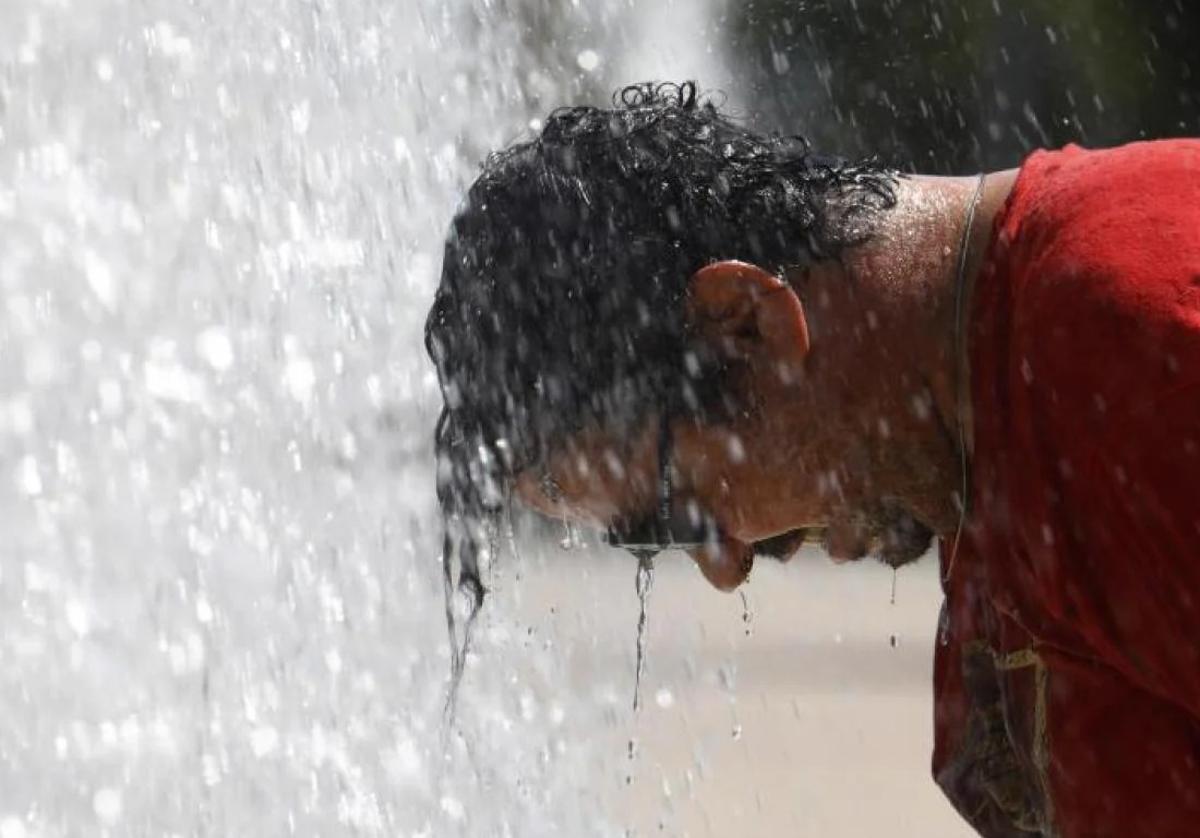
565	270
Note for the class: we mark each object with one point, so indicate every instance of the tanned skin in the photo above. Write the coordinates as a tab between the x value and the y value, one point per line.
849	377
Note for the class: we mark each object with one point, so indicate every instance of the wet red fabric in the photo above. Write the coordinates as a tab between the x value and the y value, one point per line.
1067	670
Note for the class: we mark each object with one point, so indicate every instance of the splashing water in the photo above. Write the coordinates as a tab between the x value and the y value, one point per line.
220	227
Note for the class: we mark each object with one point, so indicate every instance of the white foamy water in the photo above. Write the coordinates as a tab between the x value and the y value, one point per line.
220	606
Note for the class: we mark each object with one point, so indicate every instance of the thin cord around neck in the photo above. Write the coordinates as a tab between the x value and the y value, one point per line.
960	374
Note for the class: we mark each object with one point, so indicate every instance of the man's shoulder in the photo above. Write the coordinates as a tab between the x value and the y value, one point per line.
1058	172
1125	207
1105	241
1091	298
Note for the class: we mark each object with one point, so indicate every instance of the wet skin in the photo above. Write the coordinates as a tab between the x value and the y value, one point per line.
755	476
850	411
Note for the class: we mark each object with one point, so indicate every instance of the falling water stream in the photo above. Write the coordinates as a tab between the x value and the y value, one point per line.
643	582
220	228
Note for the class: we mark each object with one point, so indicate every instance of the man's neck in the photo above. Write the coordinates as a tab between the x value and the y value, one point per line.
889	312
911	266
997	187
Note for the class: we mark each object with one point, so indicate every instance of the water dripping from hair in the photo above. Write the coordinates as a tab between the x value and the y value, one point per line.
464	601
643	582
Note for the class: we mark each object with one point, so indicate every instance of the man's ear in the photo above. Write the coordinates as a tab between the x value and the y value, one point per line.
748	312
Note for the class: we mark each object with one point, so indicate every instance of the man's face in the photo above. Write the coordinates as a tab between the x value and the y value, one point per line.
784	464
717	480
751	484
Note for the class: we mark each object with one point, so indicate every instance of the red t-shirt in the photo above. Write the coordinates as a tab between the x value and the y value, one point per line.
1067	670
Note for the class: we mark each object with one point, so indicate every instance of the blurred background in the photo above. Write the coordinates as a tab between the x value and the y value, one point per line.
954	86
220	597
936	86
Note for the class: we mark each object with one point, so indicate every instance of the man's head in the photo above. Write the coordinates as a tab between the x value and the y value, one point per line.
625	265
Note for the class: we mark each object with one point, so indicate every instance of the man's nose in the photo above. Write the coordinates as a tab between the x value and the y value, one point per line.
725	563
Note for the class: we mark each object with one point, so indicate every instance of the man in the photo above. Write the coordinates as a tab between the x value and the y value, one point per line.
660	324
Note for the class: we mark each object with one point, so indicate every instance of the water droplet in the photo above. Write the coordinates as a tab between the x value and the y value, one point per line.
737	451
453	808
106	803
588	60
746	617
29	478
77	617
214	346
